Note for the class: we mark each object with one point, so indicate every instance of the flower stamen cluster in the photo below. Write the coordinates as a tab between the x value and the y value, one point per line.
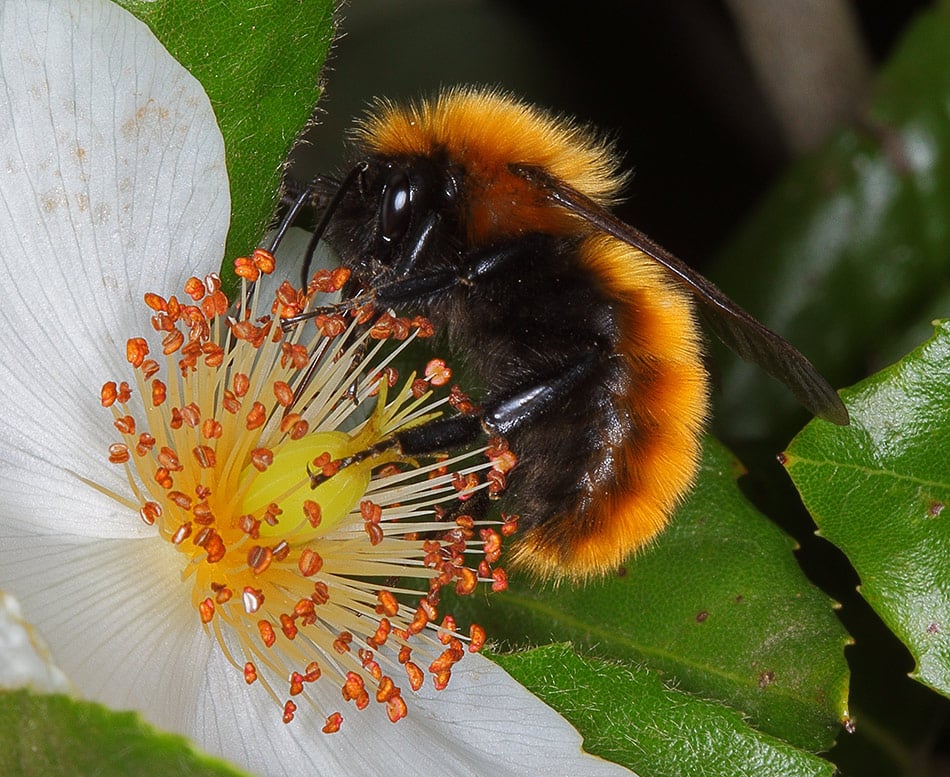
294	576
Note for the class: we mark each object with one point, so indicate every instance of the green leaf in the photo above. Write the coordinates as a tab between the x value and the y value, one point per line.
52	736
627	715
879	490
719	606
260	65
852	247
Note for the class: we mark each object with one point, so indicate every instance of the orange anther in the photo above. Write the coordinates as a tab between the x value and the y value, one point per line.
492	546
287	626
125	424
262	458
150	512
296	683
155	302
415	676
477	634
386	690
500	578
257	416
438	372
163	477
136	349
312	672
180	499
195	288
181	534
289	709
338	278
264	260
294	354
310	562
381	635
211	429
172	341
205	456
388	604
159	393
306	611
396	708
215	305
145	444
267	632
312	512
467	582
149	368
244	268
354	690
241	384
252	599
169	459
321	593
283	393
206	610
119	453
215	548
342	643
108	394
259	559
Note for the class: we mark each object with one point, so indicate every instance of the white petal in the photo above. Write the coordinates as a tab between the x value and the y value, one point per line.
118	620
112	183
25	660
483	723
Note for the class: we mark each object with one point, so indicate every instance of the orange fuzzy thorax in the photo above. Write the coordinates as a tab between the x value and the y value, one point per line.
483	132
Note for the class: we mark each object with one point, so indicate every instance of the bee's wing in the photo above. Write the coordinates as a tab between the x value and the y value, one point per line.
745	335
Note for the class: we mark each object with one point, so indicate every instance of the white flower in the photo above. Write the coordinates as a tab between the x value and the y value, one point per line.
113	185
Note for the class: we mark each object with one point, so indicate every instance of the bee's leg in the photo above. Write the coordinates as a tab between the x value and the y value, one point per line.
417	285
422	238
499	416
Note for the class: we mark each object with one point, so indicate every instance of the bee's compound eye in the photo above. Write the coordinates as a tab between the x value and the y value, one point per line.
394	210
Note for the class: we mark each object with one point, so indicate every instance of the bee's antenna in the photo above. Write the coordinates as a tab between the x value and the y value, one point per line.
324	193
356	174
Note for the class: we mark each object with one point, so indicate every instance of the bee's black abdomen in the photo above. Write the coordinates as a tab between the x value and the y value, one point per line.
541	330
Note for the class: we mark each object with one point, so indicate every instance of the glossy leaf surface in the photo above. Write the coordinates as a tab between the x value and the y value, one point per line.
880	491
628	715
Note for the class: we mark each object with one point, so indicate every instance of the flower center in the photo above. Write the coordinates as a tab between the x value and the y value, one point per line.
268	461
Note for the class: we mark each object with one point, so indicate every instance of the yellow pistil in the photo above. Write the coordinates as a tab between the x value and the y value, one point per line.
295	581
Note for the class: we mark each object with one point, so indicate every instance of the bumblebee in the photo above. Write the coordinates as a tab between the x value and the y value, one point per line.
491	217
